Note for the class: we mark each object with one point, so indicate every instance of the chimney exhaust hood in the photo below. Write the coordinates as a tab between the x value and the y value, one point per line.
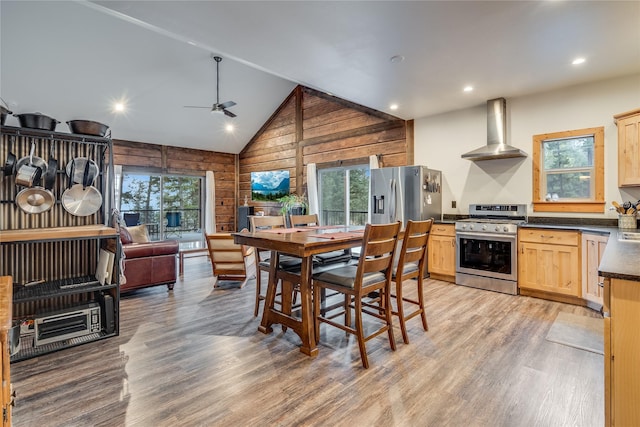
496	147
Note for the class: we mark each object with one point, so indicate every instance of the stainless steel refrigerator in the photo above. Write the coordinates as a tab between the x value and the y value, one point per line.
404	193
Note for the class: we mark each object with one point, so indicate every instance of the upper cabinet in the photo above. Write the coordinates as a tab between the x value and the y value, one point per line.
628	148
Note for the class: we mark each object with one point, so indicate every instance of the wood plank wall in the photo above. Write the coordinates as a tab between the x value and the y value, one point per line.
314	127
186	161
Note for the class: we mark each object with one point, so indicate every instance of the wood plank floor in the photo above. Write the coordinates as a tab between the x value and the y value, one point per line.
194	357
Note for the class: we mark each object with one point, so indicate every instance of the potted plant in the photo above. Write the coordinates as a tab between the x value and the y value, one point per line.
293	202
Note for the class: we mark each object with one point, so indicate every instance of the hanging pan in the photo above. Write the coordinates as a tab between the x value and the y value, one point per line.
10	163
52	169
81	199
78	176
30	163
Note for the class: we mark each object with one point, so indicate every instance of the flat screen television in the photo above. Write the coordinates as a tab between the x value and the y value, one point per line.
269	186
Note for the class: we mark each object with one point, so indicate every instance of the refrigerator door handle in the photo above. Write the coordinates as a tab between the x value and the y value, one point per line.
393	201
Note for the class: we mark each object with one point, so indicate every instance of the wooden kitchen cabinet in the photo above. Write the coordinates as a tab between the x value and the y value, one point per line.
549	264
442	252
593	246
622	352
6	397
628	148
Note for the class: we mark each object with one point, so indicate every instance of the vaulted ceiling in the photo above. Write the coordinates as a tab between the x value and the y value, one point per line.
73	59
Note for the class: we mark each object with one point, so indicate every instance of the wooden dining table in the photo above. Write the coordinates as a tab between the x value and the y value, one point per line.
303	242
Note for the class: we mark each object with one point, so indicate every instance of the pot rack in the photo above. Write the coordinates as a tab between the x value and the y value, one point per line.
61	136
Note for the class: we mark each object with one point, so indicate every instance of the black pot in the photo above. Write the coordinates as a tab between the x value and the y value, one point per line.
37	121
3	114
87	127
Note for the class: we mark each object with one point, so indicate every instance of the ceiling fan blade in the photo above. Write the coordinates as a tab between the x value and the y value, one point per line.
195	106
227	104
229	113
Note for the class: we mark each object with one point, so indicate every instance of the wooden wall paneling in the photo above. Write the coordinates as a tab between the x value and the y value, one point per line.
409	143
395	133
299	136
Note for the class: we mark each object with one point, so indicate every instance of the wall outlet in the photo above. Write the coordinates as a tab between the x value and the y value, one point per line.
453	203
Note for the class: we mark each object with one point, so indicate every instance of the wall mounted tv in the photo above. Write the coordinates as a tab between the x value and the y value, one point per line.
269	186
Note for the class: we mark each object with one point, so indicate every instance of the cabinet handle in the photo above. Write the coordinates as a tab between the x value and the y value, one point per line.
601	284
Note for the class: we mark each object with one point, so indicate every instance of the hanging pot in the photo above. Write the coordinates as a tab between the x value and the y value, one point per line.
37	121
81	199
52	170
26	174
35	200
82	163
10	163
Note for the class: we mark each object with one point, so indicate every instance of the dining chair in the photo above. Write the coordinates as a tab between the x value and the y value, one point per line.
289	271
372	274
411	265
228	259
327	258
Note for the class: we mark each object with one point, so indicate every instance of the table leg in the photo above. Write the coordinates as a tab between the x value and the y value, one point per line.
265	324
307	333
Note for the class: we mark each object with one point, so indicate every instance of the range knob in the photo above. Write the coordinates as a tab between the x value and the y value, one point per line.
505	229
498	228
464	226
470	226
484	227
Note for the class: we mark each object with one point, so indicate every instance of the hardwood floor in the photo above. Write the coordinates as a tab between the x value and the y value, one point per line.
194	357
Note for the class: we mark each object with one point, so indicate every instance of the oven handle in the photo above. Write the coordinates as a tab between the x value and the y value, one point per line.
511	237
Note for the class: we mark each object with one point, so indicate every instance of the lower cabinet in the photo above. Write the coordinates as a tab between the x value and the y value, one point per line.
442	252
622	352
549	264
593	246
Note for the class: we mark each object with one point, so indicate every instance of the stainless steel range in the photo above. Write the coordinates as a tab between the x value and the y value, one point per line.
486	247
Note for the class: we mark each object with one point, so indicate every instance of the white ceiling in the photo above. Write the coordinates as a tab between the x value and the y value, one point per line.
71	59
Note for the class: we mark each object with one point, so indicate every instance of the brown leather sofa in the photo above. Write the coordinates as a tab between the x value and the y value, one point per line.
148	264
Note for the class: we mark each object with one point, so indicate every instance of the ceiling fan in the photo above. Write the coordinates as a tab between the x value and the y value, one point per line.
218	107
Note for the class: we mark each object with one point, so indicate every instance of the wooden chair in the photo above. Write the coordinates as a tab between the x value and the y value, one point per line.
328	258
411	265
289	271
227	258
371	274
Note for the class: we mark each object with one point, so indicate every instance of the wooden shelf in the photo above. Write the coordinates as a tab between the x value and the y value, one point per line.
57	233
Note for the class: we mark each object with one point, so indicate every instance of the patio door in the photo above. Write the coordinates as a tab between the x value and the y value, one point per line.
343	194
170	205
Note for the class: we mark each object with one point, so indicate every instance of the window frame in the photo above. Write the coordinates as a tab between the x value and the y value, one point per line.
593	205
344	167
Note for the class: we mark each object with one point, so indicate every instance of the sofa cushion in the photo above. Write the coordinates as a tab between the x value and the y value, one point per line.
138	233
139	250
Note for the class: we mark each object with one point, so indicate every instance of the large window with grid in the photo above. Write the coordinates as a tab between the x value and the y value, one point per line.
568	171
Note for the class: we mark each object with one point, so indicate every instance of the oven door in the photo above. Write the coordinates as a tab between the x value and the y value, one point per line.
488	255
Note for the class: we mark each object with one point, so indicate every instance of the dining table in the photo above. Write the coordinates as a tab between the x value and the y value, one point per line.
303	242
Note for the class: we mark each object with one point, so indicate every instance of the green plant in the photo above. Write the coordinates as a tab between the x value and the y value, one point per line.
293	200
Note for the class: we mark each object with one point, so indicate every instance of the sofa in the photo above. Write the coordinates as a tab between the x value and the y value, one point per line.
147	263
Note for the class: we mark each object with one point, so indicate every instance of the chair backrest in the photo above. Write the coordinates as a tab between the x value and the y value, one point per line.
378	250
227	257
131	219
265	222
414	244
174	219
297	220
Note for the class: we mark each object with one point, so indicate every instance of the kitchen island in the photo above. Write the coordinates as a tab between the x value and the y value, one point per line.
620	266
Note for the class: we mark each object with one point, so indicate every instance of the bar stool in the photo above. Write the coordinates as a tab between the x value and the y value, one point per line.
411	265
371	274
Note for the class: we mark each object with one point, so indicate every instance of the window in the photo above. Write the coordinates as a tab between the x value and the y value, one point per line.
343	194
169	205
568	171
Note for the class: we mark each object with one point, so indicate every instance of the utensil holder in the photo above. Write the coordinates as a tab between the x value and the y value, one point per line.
627	221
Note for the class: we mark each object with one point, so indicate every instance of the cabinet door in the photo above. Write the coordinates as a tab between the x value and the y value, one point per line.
549	268
625	353
442	255
629	151
592	249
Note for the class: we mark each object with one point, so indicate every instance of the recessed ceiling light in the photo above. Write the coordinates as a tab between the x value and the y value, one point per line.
119	107
396	58
578	61
468	89
229	127
393	106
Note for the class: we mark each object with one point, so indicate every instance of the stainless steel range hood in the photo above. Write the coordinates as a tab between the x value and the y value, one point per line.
496	147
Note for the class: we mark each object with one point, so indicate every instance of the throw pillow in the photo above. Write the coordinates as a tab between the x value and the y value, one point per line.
125	237
139	233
